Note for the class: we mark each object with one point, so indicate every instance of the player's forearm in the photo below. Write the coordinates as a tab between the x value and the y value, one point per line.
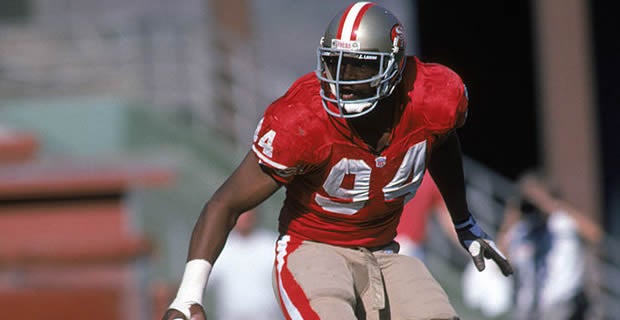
207	241
446	168
210	232
246	188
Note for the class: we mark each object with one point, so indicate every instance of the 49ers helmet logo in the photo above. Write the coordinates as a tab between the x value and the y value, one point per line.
397	35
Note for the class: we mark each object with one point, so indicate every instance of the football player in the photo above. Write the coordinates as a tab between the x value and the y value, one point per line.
350	143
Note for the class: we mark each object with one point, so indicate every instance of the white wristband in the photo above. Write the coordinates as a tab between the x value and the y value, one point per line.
192	286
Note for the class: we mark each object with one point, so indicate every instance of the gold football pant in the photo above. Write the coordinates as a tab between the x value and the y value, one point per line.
320	281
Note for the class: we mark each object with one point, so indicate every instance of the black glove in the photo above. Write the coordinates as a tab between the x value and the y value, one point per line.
480	245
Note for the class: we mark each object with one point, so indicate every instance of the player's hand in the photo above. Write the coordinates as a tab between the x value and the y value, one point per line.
480	246
195	310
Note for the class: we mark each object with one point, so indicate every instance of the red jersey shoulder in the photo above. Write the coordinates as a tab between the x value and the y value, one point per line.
290	134
438	96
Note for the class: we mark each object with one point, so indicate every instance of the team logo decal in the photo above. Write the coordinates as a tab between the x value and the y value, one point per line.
398	36
380	161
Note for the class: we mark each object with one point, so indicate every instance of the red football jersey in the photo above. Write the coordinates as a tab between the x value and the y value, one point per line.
338	191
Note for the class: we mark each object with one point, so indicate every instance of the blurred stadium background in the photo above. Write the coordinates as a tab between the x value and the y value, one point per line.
119	118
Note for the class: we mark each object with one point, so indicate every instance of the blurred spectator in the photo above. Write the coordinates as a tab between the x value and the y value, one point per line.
544	239
241	278
411	231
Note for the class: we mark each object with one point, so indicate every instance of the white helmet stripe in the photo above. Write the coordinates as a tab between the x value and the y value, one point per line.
349	26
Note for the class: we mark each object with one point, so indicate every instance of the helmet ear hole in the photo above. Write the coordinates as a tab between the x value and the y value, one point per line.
367	32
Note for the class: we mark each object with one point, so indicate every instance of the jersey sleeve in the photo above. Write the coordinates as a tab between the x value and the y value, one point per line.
279	147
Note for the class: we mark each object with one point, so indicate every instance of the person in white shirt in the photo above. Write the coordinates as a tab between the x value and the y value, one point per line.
547	241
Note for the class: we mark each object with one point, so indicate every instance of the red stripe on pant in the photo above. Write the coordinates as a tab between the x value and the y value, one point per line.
293	299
